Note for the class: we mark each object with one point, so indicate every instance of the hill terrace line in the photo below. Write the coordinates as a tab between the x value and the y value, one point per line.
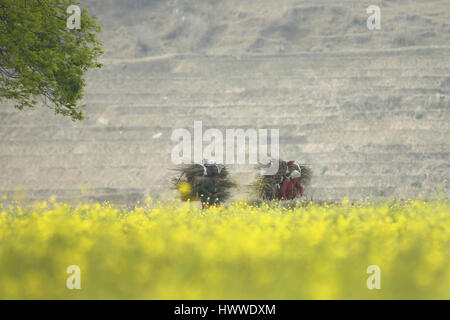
257	146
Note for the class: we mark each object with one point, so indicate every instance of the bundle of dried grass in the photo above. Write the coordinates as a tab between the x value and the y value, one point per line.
267	187
306	171
192	176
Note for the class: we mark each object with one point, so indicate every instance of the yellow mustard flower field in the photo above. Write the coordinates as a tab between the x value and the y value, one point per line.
176	251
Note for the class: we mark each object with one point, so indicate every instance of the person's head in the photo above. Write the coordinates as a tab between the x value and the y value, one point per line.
295	175
215	178
292	165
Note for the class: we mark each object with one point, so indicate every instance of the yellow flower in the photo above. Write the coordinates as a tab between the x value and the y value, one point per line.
238	251
184	188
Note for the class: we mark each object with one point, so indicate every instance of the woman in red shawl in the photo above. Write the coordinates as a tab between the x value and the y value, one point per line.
291	186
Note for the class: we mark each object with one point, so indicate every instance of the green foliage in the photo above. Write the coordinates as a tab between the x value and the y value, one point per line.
41	58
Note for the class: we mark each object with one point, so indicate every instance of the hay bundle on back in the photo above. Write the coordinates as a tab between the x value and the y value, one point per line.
267	187
192	176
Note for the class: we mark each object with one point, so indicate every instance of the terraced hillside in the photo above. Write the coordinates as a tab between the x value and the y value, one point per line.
371	120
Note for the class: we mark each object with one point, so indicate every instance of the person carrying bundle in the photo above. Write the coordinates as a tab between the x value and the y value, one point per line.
208	182
286	184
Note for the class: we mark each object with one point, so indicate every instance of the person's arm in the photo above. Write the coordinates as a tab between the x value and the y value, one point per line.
284	189
291	190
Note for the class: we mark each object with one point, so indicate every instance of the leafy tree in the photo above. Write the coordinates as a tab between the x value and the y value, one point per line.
41	58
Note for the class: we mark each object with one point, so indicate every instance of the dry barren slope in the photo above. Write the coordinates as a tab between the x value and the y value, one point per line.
371	116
